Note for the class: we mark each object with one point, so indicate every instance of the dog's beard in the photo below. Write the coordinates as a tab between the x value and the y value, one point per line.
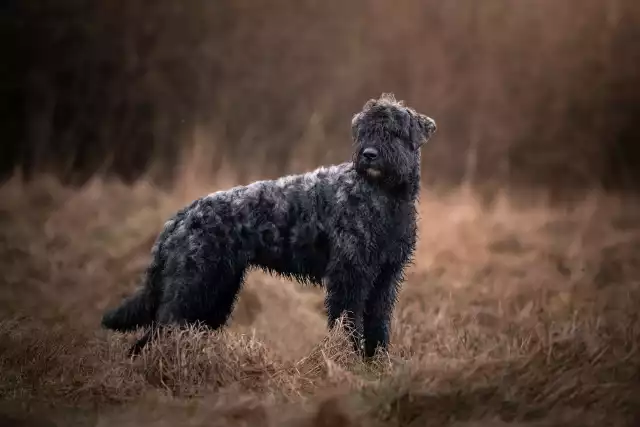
373	173
369	171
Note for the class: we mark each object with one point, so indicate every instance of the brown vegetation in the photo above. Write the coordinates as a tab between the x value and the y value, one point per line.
519	310
511	315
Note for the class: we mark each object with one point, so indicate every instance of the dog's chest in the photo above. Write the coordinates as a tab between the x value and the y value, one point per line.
396	239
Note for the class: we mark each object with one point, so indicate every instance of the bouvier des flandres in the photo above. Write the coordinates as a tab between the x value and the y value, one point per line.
351	227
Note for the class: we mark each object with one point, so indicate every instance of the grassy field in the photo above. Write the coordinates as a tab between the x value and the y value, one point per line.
511	316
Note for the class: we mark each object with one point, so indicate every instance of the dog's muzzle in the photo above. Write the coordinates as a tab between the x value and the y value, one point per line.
368	162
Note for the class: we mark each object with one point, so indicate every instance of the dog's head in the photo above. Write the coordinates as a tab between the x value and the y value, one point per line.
388	137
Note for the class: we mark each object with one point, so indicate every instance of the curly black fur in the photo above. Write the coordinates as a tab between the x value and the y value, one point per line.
351	227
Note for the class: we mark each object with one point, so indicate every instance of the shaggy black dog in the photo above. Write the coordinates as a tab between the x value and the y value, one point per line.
351	226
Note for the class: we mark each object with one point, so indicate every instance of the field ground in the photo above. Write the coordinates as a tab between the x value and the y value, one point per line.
511	316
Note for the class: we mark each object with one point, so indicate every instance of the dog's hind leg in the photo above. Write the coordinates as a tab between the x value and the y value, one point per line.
207	296
137	347
199	291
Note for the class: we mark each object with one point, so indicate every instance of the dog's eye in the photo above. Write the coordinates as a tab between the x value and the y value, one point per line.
398	139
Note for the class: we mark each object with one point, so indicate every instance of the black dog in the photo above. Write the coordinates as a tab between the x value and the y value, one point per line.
351	226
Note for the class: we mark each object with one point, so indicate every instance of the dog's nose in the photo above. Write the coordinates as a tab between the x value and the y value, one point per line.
370	153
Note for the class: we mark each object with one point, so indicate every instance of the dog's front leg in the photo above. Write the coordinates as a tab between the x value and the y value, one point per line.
379	309
347	290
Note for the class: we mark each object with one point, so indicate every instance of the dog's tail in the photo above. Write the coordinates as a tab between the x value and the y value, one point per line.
136	311
139	309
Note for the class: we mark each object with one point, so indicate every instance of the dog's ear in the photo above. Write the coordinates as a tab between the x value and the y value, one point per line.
427	127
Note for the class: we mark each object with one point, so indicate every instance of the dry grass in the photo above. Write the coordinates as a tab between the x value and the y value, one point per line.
511	315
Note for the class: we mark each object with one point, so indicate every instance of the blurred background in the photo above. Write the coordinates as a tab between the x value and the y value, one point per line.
527	94
521	312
